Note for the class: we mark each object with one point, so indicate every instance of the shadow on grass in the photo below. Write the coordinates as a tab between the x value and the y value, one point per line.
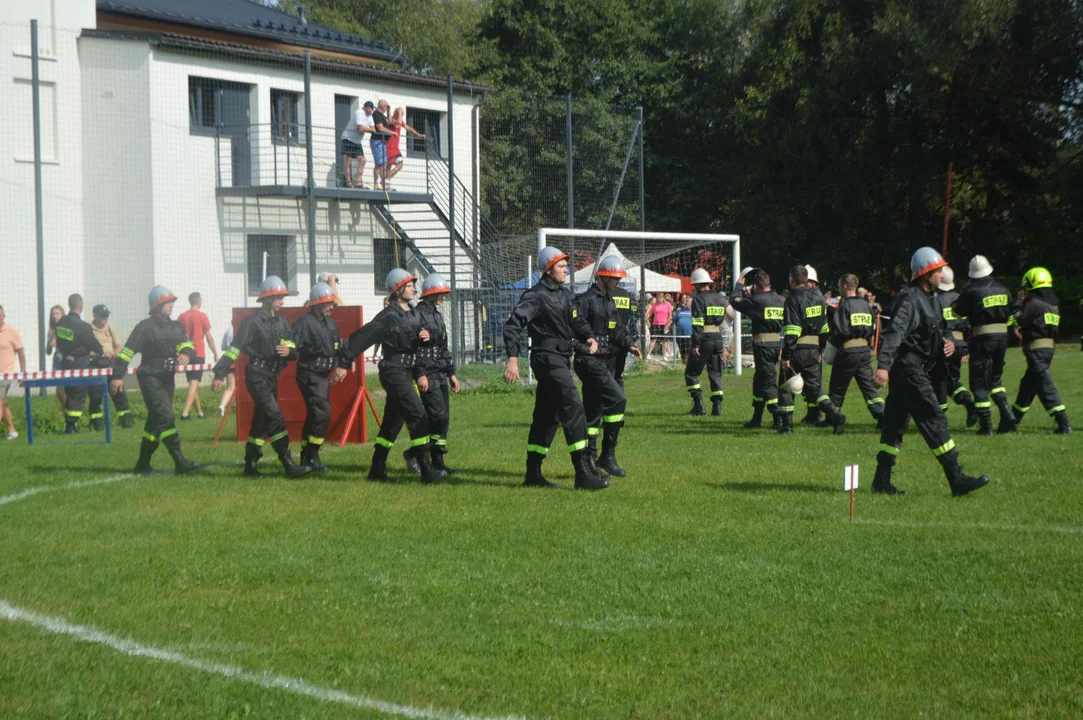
755	487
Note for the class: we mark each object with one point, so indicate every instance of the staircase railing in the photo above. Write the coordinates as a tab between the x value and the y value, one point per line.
473	226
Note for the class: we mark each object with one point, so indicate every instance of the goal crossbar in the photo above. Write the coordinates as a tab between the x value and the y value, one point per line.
545	233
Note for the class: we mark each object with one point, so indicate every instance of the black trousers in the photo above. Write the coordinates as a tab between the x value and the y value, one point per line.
403	407
77	394
946	377
911	395
855	365
157	389
764	383
268	425
986	371
603	398
315	390
616	366
556	403
119	398
1038	381
806	360
710	356
438	408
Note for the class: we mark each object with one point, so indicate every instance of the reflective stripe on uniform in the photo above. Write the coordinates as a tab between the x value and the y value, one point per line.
258	442
716	393
791	330
383	441
577	446
822	398
983	404
943	406
593	431
773	401
287	343
1020	409
275	438
785	408
232	352
97	416
418	442
440	442
613	418
540	449
697	321
690	388
946	447
313	440
1055	410
875	401
148	436
997	390
126	354
185	346
958	390
74	413
167	433
889	449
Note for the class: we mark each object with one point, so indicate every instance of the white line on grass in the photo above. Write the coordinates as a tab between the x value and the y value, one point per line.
70	486
1065	529
265	680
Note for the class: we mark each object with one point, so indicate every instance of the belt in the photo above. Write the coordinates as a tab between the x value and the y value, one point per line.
319	364
1041	344
561	346
399	360
808	340
163	364
855	343
958	335
268	365
992	329
712	328
765	337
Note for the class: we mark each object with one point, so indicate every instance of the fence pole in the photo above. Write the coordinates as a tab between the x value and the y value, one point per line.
529	284
311	181
642	242
38	220
737	330
457	335
569	161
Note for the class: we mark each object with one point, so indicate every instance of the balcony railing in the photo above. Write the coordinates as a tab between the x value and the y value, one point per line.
262	156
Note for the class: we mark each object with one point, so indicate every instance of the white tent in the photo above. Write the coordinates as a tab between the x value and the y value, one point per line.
655	282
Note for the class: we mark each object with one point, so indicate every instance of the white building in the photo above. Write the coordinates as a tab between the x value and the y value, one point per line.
174	147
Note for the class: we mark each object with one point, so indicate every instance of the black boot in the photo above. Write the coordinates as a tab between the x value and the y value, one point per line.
97	424
252	454
878	418
971	415
697	404
71	427
534	477
181	465
716	406
436	455
784	426
838	422
378	471
310	457
126	420
146	450
776	418
812	417
960	483
608	460
757	416
1008	424
585	478
1063	426
293	470
881	481
985	425
428	472
1007	417
412	465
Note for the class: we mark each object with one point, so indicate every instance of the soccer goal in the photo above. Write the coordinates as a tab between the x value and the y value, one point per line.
652	259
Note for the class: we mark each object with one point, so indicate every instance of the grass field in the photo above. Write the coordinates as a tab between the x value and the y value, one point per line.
721	578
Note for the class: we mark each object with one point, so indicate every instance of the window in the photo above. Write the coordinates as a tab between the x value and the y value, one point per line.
279	252
385	258
216	106
426	122
287	123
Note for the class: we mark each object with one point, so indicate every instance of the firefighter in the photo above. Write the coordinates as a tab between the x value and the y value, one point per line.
985	303
805	318
438	366
110	343
549	314
765	309
708	312
812	413
163	344
1039	319
947	382
398	330
627	336
852	327
910	345
604	402
265	338
316	337
76	342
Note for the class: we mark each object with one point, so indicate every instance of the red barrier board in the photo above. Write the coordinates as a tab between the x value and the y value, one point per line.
345	397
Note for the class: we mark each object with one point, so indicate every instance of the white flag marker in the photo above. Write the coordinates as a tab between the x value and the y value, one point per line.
849	483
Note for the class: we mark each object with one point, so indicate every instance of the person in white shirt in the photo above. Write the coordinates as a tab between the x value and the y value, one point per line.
352	145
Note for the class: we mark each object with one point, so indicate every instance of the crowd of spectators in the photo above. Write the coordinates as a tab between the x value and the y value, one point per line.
385	132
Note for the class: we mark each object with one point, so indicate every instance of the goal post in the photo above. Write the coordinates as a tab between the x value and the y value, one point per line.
687	240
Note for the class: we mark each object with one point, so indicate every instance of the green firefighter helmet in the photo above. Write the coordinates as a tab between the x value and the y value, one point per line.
1036	278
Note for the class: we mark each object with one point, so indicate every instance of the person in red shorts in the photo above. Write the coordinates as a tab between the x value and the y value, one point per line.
394	155
198	327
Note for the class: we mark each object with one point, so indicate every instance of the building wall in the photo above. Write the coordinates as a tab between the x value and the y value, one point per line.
59	24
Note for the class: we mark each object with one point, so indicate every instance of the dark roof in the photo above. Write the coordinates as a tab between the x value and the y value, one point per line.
171	41
243	17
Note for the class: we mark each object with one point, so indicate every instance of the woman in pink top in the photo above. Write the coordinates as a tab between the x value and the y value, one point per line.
660	313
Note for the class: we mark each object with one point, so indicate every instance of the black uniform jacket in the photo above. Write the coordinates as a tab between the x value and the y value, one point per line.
397	329
317	340
983	302
75	338
600	312
435	354
1039	316
764	309
853	319
708	310
551	318
952	322
159	340
912	335
627	336
258	337
805	315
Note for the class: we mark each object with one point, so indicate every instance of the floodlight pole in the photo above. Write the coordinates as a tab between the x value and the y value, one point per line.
38	220
456	336
568	162
310	182
642	241
736	315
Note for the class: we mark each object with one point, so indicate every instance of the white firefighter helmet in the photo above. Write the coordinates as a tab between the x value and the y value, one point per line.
701	277
548	257
160	295
272	287
434	284
396	279
947	280
611	267
321	293
980	267
794	385
812	274
830	353
925	260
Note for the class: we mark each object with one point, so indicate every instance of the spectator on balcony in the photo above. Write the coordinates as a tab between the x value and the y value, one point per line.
398	126
11	347
378	144
353	138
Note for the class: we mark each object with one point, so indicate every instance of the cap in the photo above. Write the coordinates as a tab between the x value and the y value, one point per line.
325	277
368	104
101	311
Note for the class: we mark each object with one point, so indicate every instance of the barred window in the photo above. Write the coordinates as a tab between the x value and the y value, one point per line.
271	255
